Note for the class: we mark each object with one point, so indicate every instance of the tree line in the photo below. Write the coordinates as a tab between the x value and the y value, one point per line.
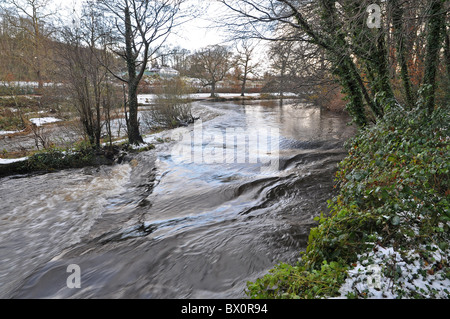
86	54
102	54
214	63
380	52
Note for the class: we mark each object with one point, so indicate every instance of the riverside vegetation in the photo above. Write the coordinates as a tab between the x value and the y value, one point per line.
392	209
80	155
394	189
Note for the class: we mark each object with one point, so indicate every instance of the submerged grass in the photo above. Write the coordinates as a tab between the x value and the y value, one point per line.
394	189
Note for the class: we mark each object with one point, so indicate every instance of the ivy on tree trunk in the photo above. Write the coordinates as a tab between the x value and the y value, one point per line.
436	24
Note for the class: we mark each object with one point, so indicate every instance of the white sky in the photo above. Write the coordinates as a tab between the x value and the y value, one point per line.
192	35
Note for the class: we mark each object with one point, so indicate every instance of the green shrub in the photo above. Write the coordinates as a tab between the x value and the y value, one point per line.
298	282
56	158
394	189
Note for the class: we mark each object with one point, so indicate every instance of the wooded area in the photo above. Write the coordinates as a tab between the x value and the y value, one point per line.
380	52
377	53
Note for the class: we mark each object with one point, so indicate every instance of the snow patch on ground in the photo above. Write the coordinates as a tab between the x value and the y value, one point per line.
44	120
385	273
12	160
7	132
149	98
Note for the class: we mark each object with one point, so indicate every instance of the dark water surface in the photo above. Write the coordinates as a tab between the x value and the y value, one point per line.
170	224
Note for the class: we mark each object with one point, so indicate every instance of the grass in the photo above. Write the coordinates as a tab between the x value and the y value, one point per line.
394	189
14	112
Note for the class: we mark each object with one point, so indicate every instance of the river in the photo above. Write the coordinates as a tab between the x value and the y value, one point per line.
214	206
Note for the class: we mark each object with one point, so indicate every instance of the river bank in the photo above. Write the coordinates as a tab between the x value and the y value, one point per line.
44	128
78	153
21	157
388	233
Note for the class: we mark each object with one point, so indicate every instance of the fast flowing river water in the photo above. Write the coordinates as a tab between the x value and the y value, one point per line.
214	206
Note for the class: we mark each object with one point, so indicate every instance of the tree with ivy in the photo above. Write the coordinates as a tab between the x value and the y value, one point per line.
371	45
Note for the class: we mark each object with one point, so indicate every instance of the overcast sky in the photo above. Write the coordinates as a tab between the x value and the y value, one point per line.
192	35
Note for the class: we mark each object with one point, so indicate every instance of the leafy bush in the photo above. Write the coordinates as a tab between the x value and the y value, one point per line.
394	189
298	282
55	158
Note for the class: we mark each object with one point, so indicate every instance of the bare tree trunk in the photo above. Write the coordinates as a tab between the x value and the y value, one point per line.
213	89
134	136
39	78
281	83
244	82
397	15
125	102
435	28
244	79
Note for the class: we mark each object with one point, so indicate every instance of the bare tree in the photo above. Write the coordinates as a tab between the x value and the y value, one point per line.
84	60
360	53
31	16
180	60
141	27
211	65
282	57
245	62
